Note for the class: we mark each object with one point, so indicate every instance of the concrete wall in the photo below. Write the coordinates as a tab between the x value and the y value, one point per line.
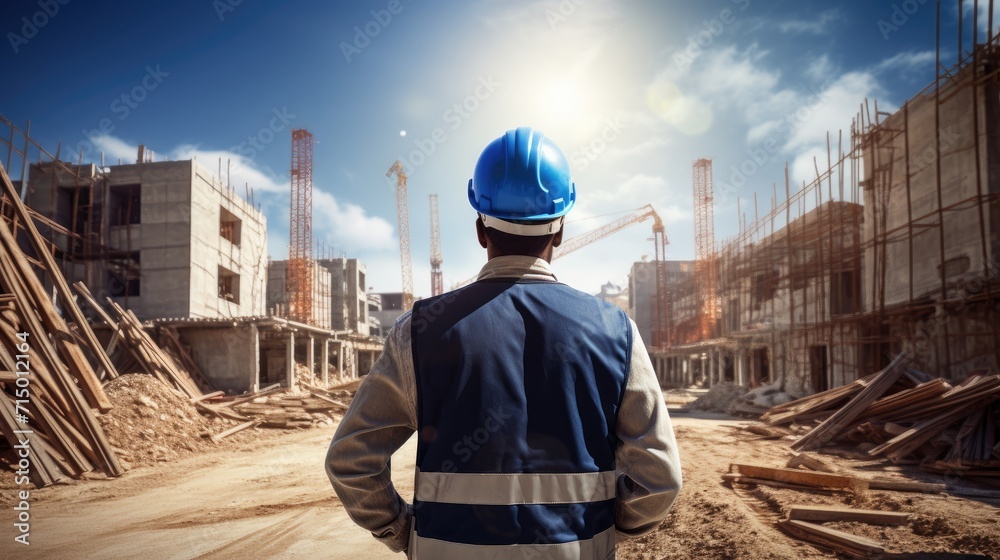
348	294
210	251
229	357
901	166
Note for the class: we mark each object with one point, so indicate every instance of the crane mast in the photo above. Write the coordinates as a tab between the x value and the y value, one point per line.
404	233
437	279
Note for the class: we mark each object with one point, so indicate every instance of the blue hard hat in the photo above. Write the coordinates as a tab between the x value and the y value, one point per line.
522	176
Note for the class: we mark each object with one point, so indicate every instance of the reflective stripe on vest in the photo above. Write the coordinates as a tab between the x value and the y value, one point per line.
507	488
601	547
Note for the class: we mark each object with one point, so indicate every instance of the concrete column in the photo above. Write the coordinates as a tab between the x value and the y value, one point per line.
703	369
290	362
340	359
355	355
311	355
255	345
325	367
738	374
717	362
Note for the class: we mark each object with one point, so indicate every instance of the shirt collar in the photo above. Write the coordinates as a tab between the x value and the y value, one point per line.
518	267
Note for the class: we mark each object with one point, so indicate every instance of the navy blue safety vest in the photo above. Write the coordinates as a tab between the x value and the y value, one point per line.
518	389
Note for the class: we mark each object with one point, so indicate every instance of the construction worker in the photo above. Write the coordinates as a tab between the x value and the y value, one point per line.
541	427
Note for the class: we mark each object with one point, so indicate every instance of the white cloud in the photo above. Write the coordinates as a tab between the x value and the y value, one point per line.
906	61
818	26
115	149
350	225
984	14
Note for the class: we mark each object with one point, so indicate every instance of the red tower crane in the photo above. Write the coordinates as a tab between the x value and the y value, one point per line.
300	264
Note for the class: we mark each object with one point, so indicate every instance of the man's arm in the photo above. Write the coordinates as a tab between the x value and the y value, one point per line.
649	468
381	418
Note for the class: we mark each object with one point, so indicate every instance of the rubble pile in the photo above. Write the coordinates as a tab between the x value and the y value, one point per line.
720	398
150	423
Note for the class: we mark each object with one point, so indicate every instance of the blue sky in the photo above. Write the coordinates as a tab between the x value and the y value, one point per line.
633	91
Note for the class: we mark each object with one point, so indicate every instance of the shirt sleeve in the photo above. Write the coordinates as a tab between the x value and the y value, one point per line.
649	469
382	416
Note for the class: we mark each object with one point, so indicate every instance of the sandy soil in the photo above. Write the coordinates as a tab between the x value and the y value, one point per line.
272	500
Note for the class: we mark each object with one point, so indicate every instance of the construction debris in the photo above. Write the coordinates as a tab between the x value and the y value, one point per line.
47	405
720	398
902	414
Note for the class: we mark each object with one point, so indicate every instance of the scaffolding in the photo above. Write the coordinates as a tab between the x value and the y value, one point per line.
893	245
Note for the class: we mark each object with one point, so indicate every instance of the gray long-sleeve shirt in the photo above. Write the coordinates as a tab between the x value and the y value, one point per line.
383	416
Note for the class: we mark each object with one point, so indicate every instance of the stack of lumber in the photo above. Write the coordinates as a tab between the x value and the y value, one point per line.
906	415
147	354
48	385
291	410
276	407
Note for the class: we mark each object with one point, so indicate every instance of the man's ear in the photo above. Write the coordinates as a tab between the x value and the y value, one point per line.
557	239
481	232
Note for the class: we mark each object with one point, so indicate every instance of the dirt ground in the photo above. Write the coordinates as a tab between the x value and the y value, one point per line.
271	499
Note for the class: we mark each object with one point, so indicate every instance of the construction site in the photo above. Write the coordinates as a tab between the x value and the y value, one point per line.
832	371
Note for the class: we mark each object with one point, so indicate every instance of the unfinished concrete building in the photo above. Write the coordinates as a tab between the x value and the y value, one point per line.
349	294
894	246
279	293
164	239
642	295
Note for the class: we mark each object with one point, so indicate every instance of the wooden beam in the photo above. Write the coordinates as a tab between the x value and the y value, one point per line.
805	478
831	538
235	429
822	514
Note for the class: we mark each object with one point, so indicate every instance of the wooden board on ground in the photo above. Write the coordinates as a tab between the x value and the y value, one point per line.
856	546
805	478
822	514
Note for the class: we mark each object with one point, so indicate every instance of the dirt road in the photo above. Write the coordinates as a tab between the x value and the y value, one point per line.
266	503
275	502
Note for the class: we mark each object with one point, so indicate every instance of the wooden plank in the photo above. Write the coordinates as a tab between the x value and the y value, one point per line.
55	274
806	478
826	537
822	514
235	429
208	396
906	486
736	477
832	426
810	462
247	398
39	474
